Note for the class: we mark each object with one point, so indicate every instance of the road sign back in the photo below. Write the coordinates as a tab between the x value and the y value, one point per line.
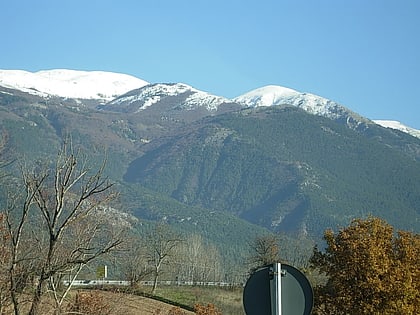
296	297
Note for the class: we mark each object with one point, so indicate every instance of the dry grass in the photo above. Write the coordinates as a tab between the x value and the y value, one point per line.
227	301
128	304
114	303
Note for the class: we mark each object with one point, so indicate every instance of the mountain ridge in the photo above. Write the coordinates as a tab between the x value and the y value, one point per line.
154	93
110	88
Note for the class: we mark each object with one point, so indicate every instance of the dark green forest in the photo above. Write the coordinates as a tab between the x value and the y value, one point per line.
281	164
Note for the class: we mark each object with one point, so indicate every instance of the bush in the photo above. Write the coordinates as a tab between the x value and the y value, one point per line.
90	303
210	309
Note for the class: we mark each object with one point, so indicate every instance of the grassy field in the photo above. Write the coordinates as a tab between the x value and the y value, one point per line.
227	300
139	301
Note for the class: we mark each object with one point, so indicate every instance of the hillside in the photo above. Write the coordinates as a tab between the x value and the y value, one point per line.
227	169
283	169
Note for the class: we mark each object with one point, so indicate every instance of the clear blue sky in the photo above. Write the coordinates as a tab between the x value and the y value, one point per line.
364	54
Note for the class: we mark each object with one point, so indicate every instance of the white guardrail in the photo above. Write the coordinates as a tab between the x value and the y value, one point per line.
80	283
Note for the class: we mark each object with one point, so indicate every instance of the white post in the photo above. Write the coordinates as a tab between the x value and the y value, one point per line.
275	289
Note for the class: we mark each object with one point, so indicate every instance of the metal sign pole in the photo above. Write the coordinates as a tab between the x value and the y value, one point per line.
275	290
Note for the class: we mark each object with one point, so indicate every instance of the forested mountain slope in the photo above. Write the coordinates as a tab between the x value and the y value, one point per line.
284	169
276	167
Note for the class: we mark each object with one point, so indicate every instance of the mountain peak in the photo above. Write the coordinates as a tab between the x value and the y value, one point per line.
265	96
277	95
98	85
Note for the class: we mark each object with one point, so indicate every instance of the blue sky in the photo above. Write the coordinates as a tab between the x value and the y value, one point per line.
365	54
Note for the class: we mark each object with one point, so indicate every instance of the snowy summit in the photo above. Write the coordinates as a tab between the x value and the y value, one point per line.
99	85
277	95
265	96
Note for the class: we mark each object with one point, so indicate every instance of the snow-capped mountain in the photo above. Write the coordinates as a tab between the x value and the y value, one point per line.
181	96
98	85
277	95
121	92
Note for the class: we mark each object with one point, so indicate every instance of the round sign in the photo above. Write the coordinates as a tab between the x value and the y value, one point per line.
296	292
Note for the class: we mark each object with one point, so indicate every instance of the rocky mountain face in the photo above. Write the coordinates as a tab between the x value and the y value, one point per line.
272	158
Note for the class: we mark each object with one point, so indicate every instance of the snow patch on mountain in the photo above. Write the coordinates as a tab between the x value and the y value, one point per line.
204	99
151	94
154	93
393	124
98	85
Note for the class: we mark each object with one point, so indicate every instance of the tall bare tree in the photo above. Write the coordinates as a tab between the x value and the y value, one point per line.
198	261
134	260
161	244
62	201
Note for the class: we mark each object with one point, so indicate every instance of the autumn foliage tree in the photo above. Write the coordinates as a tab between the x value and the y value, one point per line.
370	270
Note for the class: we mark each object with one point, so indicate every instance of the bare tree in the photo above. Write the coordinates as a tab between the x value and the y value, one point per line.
265	250
62	201
134	260
161	244
4	264
16	222
198	261
296	250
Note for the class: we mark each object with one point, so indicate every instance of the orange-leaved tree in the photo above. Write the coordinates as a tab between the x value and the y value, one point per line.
370	270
